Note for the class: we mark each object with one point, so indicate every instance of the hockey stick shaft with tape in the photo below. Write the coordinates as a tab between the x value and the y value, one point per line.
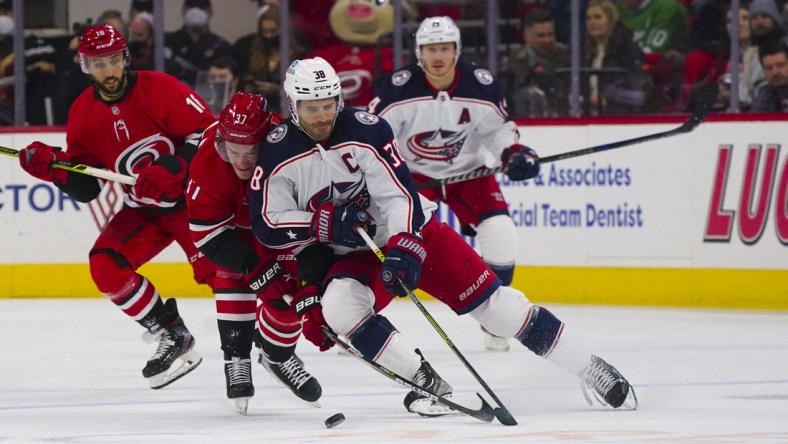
485	413
80	168
501	412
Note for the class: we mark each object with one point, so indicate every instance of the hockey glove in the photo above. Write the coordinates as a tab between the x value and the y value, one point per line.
522	163
306	305
405	255
37	159
270	282
162	180
337	225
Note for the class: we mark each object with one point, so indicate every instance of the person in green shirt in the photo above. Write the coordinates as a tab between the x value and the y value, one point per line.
658	25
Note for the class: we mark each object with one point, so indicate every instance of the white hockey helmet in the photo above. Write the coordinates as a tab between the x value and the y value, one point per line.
437	30
311	79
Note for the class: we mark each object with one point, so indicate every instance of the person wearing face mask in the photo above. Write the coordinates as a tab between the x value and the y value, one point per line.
258	57
191	48
141	45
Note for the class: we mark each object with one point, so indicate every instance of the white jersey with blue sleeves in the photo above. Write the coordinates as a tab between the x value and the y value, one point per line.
446	133
358	165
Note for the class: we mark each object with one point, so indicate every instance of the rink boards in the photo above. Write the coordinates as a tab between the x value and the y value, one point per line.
694	220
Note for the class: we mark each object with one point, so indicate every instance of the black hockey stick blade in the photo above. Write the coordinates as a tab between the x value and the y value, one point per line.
484	413
504	413
503	416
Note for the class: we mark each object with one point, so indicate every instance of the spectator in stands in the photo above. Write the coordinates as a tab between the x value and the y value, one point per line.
222	83
765	27
562	13
772	96
113	18
69	78
191	48
660	28
614	81
258	57
141	42
138	6
6	63
531	77
709	63
39	59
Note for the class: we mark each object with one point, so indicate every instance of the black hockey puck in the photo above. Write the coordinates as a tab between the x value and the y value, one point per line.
335	420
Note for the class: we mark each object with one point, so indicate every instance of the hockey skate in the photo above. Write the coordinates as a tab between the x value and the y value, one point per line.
428	378
494	343
238	375
292	374
607	385
175	343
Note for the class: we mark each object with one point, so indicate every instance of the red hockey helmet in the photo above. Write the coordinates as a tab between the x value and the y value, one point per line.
245	119
98	41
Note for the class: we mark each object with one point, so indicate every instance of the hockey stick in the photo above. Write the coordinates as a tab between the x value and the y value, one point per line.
708	96
501	412
80	168
485	413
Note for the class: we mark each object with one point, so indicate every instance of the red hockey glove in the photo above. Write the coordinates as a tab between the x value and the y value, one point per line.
270	281
522	163
37	160
405	255
337	225
306	305
162	180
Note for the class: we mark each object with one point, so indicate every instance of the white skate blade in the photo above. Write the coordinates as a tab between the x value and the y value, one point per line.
631	403
425	407
240	404
180	368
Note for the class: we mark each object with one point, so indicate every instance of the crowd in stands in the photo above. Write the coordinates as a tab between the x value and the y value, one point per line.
636	56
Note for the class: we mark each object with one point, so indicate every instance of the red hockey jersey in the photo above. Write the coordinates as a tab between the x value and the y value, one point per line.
218	201
157	115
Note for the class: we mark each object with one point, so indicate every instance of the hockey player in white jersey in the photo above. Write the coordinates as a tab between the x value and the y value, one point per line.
450	117
326	171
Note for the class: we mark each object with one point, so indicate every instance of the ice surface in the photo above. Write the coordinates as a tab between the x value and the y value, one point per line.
71	373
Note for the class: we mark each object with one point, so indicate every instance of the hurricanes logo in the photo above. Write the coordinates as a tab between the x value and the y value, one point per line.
353	82
440	145
143	153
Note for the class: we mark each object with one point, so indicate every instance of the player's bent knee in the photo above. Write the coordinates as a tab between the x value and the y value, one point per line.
505	313
497	239
372	335
110	272
346	304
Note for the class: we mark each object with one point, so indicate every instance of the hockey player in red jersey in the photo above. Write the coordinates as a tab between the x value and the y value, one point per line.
217	196
326	171
145	125
450	117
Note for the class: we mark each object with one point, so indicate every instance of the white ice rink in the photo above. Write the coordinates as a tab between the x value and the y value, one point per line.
70	373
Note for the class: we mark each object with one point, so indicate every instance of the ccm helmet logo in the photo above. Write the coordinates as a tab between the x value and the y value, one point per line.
320	88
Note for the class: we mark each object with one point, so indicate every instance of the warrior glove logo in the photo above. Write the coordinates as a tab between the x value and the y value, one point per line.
323	223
